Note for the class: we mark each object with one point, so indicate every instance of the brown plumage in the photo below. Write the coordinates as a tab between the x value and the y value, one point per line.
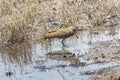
62	33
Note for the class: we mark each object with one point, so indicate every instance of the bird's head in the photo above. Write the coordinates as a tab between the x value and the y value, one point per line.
74	30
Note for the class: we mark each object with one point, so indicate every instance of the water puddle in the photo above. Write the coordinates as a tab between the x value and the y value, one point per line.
96	49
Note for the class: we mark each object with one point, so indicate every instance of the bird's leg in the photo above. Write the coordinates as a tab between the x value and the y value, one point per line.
75	34
63	41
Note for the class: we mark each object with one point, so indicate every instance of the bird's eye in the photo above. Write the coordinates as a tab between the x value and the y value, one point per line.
74	29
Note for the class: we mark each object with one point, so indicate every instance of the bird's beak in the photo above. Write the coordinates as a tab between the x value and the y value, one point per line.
75	34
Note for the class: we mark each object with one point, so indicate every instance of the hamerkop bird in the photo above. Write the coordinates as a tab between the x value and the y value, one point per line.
62	33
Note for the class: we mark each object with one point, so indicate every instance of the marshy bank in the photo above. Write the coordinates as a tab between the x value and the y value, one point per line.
26	55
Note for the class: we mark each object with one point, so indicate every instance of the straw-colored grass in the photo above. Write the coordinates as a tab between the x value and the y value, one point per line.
21	19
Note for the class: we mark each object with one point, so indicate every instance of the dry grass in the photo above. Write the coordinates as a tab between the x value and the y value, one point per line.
21	54
24	19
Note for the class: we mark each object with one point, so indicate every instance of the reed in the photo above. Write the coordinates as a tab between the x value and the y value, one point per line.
30	18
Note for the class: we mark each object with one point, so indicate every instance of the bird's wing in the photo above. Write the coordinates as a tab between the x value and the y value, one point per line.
51	31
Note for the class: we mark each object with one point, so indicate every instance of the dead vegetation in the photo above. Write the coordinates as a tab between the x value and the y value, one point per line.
109	73
21	54
29	19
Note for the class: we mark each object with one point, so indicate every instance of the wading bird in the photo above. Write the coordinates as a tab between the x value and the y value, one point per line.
62	33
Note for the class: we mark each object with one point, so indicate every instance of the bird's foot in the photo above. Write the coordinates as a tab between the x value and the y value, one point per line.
65	46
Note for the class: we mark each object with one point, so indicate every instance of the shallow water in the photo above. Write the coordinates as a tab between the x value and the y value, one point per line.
29	62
